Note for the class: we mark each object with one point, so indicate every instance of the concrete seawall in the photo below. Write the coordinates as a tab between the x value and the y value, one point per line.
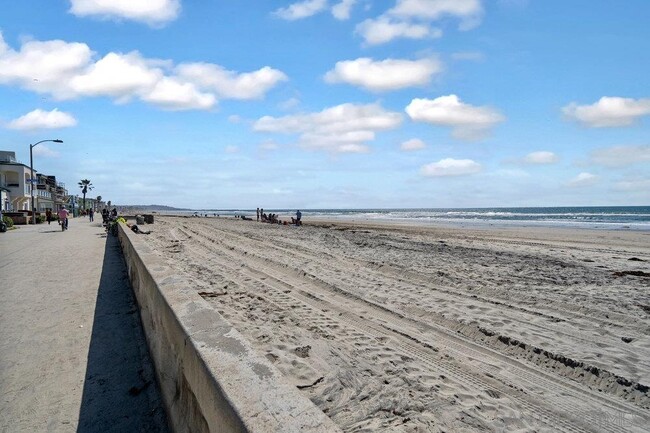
210	377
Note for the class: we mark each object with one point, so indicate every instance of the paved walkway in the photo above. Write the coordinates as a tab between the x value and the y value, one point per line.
72	353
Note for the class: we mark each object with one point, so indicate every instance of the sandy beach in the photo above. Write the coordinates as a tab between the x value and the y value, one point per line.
416	329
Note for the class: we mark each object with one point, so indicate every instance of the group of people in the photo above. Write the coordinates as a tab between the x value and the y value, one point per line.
273	217
62	215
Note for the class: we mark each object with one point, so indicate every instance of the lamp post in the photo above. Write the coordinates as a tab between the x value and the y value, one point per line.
31	168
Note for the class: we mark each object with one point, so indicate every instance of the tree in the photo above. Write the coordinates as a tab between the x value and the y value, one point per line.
85	186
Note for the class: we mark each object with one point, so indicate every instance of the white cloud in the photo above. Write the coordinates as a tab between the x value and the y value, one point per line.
469	11
231	149
300	10
541	157
341	11
412	19
384	75
121	76
171	94
412	144
467	121
619	156
152	12
345	128
384	29
39	119
69	70
43	67
229	84
608	112
450	167
583	179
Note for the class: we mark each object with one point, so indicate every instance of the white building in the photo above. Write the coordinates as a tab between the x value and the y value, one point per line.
15	177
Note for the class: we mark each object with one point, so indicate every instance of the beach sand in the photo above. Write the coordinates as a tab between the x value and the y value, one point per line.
415	329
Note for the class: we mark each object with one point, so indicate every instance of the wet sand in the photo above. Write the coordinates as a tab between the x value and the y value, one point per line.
415	329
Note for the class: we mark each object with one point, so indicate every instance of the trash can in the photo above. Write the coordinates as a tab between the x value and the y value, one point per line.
139	219
148	219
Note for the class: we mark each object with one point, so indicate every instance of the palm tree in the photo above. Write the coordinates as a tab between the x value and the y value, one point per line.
85	186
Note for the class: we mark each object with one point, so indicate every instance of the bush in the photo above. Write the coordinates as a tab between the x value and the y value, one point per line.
8	221
40	219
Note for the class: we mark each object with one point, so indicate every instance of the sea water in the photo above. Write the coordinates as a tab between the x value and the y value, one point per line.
605	217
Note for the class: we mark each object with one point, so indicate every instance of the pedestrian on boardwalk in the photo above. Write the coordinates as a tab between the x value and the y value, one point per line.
91	214
48	216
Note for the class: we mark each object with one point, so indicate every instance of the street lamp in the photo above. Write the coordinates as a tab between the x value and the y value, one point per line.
31	167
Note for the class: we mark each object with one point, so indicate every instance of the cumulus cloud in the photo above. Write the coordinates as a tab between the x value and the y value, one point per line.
583	179
541	157
172	94
43	67
230	84
120	76
345	128
468	11
608	112
39	119
300	10
619	156
384	75
413	19
412	144
341	11
385	29
450	167
70	70
467	122
152	12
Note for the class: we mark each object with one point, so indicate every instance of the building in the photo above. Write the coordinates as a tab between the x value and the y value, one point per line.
15	177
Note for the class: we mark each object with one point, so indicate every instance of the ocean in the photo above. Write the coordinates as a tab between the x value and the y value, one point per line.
605	217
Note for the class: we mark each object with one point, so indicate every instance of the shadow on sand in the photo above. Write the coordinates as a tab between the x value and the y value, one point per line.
120	392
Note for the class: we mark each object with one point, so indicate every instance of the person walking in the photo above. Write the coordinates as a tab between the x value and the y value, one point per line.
48	215
258	214
63	217
91	214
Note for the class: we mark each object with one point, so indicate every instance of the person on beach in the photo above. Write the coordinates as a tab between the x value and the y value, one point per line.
258	214
135	229
296	220
63	216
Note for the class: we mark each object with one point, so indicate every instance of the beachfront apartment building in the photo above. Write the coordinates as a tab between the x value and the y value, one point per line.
15	179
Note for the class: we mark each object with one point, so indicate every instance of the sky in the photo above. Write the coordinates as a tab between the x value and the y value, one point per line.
341	104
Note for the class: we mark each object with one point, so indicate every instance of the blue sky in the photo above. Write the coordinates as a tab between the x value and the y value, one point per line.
333	103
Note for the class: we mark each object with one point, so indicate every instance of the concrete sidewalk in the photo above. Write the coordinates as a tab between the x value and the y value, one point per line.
73	357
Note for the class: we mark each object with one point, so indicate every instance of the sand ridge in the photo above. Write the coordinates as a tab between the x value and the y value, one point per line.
420	329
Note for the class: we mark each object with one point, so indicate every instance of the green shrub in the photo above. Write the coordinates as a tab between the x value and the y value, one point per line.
7	220
40	219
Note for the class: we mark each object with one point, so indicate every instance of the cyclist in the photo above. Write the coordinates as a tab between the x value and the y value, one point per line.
63	217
